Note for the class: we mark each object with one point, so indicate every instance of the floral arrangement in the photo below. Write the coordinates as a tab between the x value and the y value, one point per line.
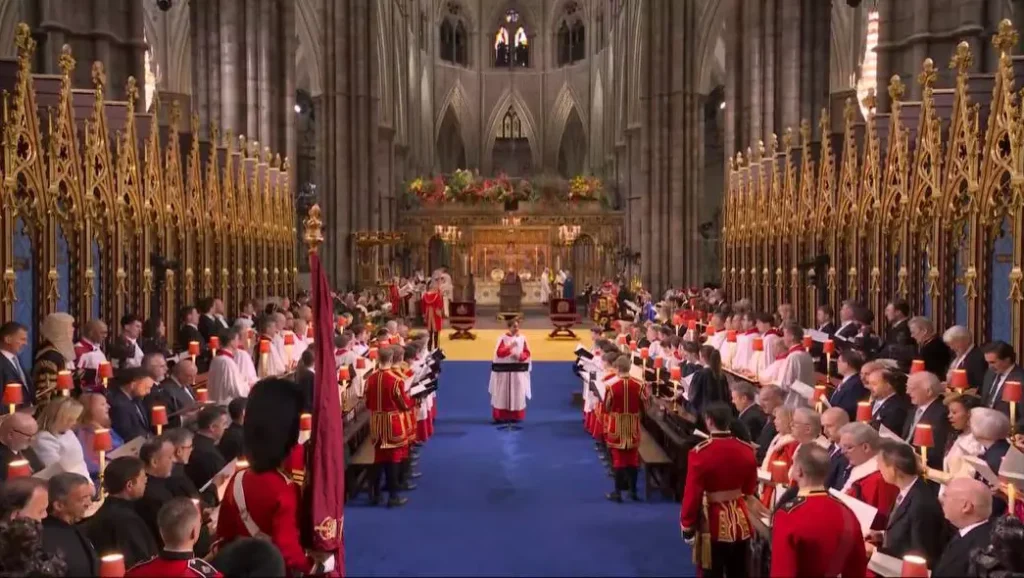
465	186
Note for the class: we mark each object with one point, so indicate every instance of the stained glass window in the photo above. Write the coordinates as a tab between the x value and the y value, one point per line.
511	50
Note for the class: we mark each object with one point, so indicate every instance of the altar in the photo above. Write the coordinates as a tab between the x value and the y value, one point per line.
487	292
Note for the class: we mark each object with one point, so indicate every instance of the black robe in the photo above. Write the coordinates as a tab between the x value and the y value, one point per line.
159	491
71	543
118	527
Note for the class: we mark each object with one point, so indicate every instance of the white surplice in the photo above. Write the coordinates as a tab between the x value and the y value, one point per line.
276	359
225	380
545	286
348	358
758	361
509	391
744	350
717	340
246	367
797	365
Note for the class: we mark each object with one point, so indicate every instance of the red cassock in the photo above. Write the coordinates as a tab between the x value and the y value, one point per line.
272	503
432	306
783	453
873	490
395	299
816	535
173	565
721	470
389	407
596	428
623	403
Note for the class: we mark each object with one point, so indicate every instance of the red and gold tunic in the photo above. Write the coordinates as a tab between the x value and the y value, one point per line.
624	401
720	472
432	306
388	404
817	535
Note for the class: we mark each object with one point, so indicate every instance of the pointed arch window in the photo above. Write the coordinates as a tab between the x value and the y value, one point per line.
571	36
454	37
511	42
511	126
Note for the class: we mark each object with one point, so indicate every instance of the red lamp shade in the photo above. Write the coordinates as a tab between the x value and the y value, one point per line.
158	415
632	345
730	336
360	362
393	340
758	344
372	354
658	362
644	353
201	395
112	566
250	334
958	379
677	320
676	374
309	332
343	373
214	342
101	441
692	325
808	342
829	347
780	472
914	567
306	422
12	394
923	436
264	346
1011	391
64	380
864	411
18	469
917	366
711	330
342	322
621	340
105	370
289	339
193	348
819	393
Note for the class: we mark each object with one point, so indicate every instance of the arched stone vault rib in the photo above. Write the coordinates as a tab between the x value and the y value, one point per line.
515	100
457	101
563	105
555	13
310	30
711	17
10	14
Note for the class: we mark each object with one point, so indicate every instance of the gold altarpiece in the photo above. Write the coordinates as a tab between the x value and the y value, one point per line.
93	187
492	242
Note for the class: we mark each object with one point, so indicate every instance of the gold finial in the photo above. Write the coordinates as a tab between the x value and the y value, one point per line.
266	155
962	59
24	42
760	149
312	227
1006	38
242	148
871	100
67	62
99	75
739	160
229	140
175	114
825	124
805	132
131	90
285	165
849	111
896	88
928	74
254	150
787	139
276	163
750	155
214	132
773	144
195	124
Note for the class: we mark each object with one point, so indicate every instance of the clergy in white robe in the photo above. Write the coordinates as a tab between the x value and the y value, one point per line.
545	285
225	381
791	366
744	347
246	367
510	390
772	347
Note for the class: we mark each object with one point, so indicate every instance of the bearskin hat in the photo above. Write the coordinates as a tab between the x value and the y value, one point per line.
271	426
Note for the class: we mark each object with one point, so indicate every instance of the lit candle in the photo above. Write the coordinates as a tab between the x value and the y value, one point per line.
13	396
158	417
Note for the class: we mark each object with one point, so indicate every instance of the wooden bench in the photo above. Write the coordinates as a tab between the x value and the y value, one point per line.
358	468
656	465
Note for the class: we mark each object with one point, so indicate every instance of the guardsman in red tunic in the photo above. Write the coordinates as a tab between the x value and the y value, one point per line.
624	403
816	535
432	306
262	501
179	522
720	472
388	403
403	373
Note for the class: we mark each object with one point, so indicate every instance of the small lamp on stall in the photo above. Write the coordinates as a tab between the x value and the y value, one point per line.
193	350
914	567
101	444
924	439
829	347
214	344
958	380
710	332
18	469
644	355
808	342
264	357
730	348
112	566
13	396
105	371
819	397
250	334
305	426
158	417
360	363
632	345
372	354
864	411
917	366
1012	395
65	383
309	332
343	376
289	345
659	362
780	472
757	345
201	395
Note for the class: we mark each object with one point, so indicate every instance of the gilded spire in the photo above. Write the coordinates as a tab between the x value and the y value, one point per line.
962	59
1006	38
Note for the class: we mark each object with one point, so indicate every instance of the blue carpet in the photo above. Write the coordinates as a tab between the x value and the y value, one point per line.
519	503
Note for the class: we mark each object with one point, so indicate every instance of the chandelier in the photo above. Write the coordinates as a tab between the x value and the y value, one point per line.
450	234
568	233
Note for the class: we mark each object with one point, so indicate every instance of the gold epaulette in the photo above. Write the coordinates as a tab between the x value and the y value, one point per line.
702	445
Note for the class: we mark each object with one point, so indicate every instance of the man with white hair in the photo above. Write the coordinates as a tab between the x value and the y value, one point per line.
862	479
832	421
930	348
991	428
925	392
806	429
967	504
966	356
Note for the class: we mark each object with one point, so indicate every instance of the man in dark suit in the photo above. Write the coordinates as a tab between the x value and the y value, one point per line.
850	390
176	394
751	416
930	349
1002	367
129	416
158	456
967	504
769	398
70	498
824	316
212	321
848	326
305	378
124	350
925	392
232	443
832	420
889	407
188	330
206	460
898	344
916	524
965	356
13	338
16	432
117	526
